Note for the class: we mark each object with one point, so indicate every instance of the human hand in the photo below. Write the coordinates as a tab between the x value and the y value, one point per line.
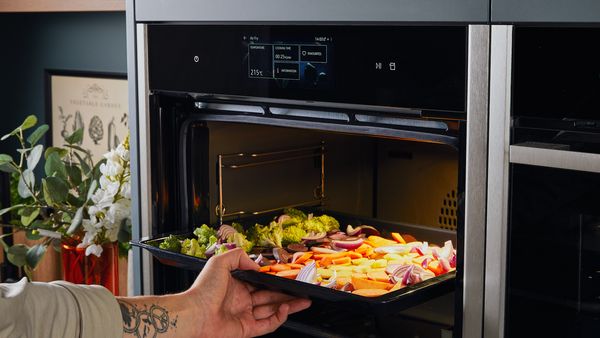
231	308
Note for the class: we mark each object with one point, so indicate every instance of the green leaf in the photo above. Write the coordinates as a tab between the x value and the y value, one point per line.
55	166
37	134
74	174
84	165
33	234
3	243
8	168
29	122
29	215
74	201
78	148
34	255
34	156
76	137
56	189
13	207
61	152
26	181
76	221
5	158
96	172
16	254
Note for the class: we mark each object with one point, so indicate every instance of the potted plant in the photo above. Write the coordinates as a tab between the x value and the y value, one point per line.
80	207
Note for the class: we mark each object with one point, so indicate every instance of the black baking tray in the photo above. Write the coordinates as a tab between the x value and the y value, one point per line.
393	301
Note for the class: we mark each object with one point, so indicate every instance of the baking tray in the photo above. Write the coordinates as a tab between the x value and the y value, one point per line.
393	301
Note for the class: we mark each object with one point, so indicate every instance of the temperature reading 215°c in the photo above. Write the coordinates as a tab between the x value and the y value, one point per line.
256	72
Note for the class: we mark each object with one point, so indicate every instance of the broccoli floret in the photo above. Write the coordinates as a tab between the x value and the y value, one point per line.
292	234
267	235
313	225
171	243
191	247
295	214
204	233
238	227
329	222
240	241
212	240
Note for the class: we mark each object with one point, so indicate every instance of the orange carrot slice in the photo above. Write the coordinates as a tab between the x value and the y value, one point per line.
295	266
290	274
353	255
360	283
304	257
265	268
370	292
279	267
398	238
380	276
343	260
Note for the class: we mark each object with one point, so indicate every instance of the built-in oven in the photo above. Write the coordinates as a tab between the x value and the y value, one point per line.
385	122
545	154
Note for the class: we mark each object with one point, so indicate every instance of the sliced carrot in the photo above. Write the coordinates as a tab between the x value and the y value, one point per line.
370	292
360	283
398	238
380	276
272	273
327	261
291	274
265	268
380	241
343	260
409	238
363	248
304	257
279	267
398	286
435	267
353	255
359	275
295	266
308	261
332	256
369	243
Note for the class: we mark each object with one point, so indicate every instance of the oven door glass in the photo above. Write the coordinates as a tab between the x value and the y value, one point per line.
553	270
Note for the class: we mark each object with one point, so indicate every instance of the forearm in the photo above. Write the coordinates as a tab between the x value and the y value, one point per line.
159	316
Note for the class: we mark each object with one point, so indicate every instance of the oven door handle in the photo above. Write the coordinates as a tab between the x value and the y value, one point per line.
554	158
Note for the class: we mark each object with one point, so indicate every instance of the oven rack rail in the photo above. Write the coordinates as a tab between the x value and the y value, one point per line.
236	161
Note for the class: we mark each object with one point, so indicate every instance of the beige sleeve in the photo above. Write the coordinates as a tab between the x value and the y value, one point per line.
58	309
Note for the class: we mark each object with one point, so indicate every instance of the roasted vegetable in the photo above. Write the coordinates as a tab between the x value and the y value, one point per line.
204	233
191	247
240	241
267	235
171	243
292	234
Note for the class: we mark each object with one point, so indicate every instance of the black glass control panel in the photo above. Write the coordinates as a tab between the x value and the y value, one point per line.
415	67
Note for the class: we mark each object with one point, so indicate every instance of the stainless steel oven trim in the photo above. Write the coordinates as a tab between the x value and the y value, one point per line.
553	158
145	218
475	179
498	173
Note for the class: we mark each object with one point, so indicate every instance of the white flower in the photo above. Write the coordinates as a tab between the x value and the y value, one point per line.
111	168
118	211
94	249
122	152
111	156
126	190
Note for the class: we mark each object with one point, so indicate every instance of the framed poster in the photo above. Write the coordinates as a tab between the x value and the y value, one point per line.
96	102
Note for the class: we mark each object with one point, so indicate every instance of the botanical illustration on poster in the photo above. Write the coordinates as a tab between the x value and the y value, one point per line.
95	103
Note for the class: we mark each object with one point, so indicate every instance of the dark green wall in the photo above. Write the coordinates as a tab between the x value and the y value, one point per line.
31	43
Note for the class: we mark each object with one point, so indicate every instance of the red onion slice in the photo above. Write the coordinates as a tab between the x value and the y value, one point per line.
296	255
308	273
321	250
348	245
225	231
258	259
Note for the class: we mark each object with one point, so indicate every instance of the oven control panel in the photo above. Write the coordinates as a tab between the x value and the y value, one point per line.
416	67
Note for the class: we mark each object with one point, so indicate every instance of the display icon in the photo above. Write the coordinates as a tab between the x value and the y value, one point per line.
377	65
392	66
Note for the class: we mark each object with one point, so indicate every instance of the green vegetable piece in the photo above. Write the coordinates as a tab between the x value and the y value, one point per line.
171	243
204	233
240	241
292	234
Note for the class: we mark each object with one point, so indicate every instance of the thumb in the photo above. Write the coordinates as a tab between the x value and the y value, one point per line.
235	259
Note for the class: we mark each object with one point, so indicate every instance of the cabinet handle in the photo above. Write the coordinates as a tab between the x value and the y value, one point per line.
553	158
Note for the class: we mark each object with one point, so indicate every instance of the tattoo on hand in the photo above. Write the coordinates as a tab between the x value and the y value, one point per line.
147	321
